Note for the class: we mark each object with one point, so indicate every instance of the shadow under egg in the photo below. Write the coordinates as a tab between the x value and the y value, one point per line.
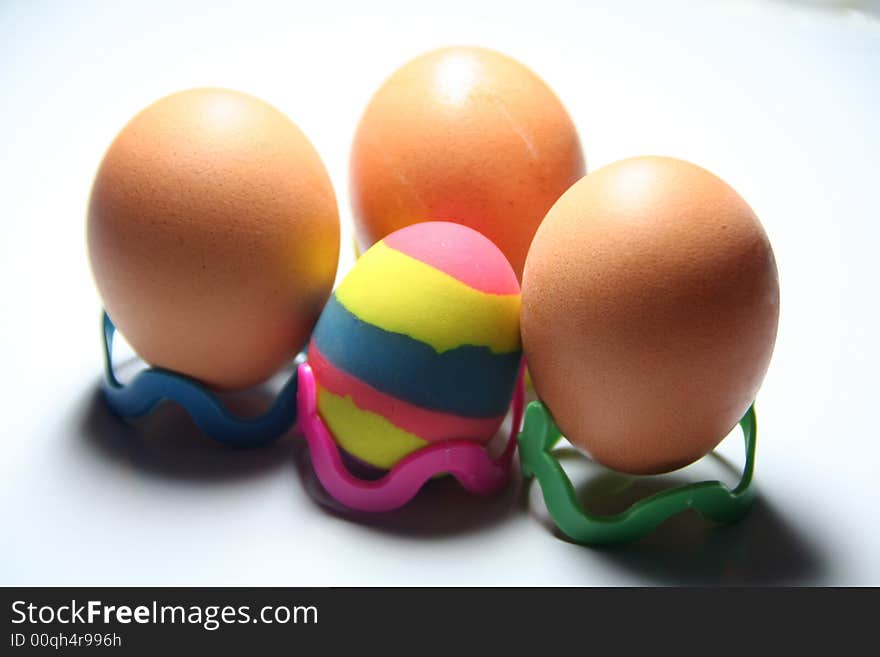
761	548
441	507
166	443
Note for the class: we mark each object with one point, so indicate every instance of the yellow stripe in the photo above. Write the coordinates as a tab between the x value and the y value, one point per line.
366	435
398	293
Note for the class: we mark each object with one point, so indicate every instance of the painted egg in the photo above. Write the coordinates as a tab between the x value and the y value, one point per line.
420	343
213	236
650	307
467	135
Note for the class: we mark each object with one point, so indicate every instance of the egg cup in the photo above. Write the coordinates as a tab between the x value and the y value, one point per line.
467	461
154	385
712	499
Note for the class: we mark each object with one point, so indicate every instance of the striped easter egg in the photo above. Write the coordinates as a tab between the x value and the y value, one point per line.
420	343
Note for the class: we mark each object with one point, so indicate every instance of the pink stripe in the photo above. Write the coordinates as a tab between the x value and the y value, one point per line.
429	425
459	251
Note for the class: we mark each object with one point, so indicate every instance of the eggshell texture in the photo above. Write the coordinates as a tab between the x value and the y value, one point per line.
650	307
213	235
419	343
467	135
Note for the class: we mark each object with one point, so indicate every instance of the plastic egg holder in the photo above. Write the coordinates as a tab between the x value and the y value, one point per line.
467	461
153	385
713	499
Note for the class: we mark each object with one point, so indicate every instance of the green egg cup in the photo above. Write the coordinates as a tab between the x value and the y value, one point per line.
713	499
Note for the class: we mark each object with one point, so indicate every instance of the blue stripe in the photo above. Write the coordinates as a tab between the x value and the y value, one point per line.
469	380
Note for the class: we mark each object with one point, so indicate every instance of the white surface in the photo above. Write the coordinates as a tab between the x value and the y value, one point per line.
780	101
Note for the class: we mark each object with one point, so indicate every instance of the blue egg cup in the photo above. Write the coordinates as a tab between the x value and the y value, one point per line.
154	385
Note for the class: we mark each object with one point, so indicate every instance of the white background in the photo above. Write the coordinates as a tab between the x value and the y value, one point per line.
781	100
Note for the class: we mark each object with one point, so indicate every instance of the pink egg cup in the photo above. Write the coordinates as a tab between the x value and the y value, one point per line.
467	461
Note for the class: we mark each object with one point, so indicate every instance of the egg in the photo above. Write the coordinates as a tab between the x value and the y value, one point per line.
213	236
467	135
650	308
420	343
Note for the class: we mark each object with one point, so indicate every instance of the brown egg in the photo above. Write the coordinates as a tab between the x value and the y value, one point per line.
650	302
213	235
466	135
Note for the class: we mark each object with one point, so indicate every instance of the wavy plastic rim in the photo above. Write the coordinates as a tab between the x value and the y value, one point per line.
154	385
712	499
467	461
